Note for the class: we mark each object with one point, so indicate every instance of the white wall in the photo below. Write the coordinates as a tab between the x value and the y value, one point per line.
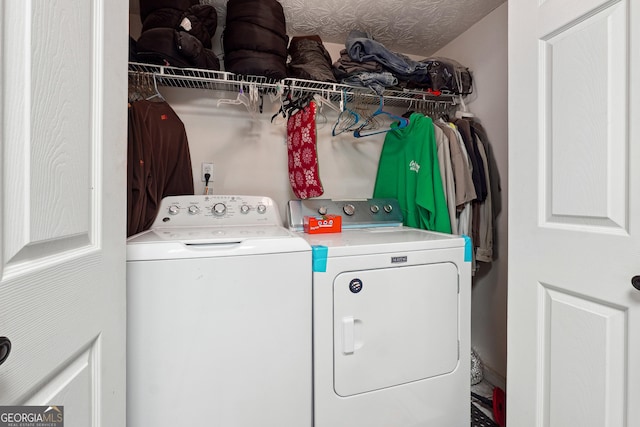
483	48
250	155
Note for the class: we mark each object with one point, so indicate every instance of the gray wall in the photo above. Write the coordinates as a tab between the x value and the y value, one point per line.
483	48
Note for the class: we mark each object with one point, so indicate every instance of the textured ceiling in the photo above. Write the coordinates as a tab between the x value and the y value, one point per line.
418	27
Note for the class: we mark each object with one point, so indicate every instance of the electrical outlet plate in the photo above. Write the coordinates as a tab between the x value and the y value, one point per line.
207	167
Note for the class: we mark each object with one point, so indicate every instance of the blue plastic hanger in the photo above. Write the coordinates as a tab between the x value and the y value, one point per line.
403	122
346	116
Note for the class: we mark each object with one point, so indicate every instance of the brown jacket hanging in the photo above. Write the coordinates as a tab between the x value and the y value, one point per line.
159	162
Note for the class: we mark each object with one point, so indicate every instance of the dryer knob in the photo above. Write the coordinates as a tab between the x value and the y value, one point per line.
261	208
173	210
244	209
219	209
193	209
349	209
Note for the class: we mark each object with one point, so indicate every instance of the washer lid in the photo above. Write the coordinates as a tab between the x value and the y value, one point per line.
210	235
207	242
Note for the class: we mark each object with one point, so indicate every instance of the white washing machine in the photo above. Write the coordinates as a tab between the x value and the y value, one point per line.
391	319
219	317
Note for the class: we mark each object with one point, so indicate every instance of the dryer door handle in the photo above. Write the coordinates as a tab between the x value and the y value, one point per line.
348	338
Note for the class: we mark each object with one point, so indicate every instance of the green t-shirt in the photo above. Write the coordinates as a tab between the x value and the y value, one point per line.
408	171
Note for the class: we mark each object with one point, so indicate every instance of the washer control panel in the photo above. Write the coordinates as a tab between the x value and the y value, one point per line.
200	210
361	213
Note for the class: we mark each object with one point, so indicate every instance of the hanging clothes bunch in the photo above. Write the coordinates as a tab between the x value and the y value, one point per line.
409	171
158	160
486	206
444	177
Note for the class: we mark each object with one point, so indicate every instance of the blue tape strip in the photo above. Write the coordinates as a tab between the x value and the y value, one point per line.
468	248
320	254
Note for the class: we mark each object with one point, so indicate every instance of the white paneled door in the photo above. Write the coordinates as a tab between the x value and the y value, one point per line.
574	234
63	206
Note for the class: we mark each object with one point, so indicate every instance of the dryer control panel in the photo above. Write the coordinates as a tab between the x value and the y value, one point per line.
359	213
216	210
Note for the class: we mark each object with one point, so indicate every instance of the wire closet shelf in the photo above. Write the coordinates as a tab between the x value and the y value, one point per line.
194	78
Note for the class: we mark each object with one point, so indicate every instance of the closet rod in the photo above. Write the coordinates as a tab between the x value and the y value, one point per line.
194	78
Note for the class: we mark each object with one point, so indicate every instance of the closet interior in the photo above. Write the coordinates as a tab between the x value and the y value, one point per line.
237	123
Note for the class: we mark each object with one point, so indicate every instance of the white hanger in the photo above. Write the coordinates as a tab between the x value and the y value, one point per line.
157	93
464	113
277	94
321	100
240	99
347	119
254	98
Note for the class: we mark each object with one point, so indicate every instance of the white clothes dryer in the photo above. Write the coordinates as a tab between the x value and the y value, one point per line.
219	317
391	319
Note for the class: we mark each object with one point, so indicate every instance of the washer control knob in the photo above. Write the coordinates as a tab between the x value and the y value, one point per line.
388	208
374	209
193	209
174	210
219	209
349	209
322	210
261	208
244	209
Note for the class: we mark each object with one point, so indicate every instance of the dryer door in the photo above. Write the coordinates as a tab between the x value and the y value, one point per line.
394	325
